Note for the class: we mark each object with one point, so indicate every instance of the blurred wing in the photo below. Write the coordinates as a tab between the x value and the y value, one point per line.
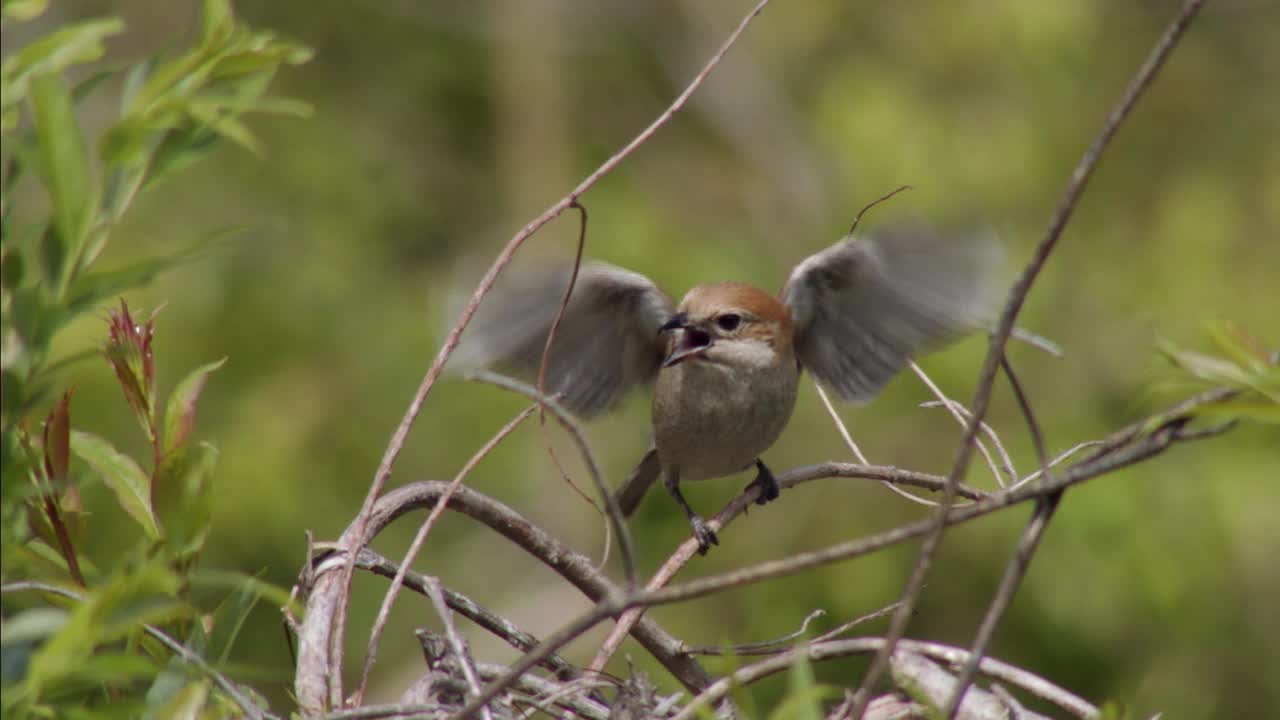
607	341
864	306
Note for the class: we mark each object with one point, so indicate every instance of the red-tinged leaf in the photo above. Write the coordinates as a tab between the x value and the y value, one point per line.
129	352
180	415
130	484
57	439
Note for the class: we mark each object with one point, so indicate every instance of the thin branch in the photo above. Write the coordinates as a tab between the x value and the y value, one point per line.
858	218
249	708
763	647
1017	567
818	652
1058	460
468	608
888	476
317	687
542	376
573	566
1003	597
1137	447
389	598
961	414
843	628
1000	337
455	641
567	421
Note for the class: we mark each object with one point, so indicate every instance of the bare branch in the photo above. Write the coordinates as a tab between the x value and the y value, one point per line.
1138	445
764	647
891	477
818	652
468	608
455	640
1017	567
571	565
310	685
566	420
1000	337
384	612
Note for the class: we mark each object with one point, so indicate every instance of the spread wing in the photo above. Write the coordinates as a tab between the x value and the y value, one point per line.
864	306
607	341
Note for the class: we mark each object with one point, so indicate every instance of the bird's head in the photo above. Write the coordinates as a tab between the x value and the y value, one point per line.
730	323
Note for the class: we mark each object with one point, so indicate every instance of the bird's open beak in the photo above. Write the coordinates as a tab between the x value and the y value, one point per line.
692	340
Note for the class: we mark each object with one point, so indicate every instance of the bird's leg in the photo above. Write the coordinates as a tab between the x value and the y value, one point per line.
769	489
705	535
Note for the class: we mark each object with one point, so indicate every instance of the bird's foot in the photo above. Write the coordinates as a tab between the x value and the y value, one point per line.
705	535
768	484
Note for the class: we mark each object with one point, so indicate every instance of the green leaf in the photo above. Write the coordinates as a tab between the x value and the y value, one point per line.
238	581
80	43
90	289
187	703
1255	408
24	10
183	501
34	625
217	23
120	473
180	415
115	669
213	116
804	695
65	160
228	620
109	613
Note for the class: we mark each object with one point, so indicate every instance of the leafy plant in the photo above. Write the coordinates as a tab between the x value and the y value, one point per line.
125	639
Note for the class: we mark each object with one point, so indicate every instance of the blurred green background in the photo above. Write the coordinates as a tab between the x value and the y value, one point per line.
441	128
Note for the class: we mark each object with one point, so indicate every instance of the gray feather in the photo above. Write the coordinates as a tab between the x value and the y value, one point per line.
864	306
607	341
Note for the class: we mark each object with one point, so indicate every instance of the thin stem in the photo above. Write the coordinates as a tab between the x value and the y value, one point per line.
1017	567
312	682
389	598
1017	297
593	467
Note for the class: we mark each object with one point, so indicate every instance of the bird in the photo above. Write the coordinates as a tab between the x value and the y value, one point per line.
725	362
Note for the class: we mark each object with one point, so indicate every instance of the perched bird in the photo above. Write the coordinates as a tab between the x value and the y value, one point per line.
727	360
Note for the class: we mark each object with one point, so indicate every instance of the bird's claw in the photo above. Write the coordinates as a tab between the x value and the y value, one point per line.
768	484
706	536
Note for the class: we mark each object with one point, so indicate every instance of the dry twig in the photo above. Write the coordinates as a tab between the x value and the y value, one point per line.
316	687
1000	337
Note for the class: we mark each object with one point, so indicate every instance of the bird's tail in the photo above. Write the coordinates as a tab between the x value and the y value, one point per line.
638	482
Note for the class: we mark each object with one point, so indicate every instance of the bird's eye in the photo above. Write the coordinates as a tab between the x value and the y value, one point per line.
729	322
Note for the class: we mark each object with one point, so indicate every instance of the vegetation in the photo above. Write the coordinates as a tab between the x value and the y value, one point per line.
179	237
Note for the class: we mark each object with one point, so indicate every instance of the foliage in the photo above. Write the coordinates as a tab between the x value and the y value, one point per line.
441	131
1241	363
80	637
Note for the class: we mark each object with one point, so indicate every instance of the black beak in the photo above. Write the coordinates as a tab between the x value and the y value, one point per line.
677	322
692	340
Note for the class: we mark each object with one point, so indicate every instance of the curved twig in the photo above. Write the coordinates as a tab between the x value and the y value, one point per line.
566	420
317	687
463	605
384	611
1128	446
573	566
889	476
817	652
1000	337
